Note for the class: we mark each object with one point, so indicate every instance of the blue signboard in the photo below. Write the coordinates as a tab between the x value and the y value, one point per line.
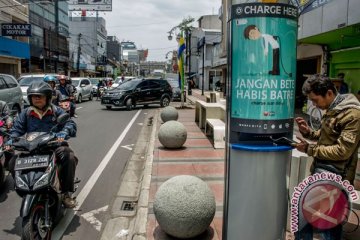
13	48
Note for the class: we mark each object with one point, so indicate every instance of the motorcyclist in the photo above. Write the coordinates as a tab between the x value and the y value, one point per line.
41	117
8	120
67	90
56	94
99	85
5	114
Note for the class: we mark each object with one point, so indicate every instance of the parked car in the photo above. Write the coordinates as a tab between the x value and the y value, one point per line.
10	92
25	82
83	88
173	80
138	92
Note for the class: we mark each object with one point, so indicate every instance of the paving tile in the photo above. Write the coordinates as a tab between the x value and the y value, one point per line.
192	153
218	190
205	169
175	169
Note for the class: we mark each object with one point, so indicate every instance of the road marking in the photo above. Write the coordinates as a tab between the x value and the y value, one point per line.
89	216
128	147
140	124
70	213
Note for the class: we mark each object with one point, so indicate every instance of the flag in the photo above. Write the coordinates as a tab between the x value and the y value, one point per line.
181	62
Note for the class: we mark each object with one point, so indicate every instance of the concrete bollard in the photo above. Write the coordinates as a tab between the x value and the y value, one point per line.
172	134
169	113
184	206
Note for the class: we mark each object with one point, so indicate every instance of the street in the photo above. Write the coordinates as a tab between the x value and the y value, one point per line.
103	145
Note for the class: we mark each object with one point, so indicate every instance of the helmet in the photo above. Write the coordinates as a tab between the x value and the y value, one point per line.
50	78
62	77
40	88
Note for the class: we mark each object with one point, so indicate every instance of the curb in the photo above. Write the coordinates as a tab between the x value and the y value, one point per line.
128	214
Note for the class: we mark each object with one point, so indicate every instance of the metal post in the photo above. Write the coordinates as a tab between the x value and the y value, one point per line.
203	68
189	72
78	55
258	211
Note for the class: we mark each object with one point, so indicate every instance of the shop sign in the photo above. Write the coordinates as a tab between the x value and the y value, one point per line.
14	29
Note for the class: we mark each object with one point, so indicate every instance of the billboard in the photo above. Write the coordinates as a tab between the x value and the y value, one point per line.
263	67
90	5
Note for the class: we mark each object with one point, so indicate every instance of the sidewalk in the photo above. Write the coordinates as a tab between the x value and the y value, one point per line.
197	158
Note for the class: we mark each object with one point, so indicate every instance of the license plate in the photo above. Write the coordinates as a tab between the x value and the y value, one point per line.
106	101
32	162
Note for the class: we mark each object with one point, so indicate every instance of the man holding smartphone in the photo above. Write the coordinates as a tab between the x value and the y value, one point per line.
337	139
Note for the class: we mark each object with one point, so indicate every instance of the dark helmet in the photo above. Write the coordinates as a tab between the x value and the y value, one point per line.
40	88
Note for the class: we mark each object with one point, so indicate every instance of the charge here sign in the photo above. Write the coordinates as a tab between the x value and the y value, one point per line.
15	29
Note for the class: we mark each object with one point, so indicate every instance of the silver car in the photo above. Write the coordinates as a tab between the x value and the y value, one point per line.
25	82
10	92
83	88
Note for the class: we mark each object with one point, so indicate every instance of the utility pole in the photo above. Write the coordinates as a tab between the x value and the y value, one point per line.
189	72
78	55
56	35
203	68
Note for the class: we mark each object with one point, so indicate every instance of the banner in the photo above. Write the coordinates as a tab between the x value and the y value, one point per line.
90	5
264	40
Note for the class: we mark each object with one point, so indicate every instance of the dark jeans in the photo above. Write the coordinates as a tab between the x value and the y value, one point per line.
67	162
72	109
308	231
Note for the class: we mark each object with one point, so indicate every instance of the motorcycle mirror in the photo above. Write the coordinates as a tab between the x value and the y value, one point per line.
63	118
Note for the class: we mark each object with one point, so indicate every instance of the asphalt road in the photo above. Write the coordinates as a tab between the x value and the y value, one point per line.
103	145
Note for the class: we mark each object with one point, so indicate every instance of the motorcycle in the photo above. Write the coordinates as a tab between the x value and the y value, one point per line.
101	91
37	182
2	154
3	134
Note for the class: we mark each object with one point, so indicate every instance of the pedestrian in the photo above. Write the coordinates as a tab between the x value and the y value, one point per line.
336	149
343	88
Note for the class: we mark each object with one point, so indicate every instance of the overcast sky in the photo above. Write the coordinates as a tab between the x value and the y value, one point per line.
146	22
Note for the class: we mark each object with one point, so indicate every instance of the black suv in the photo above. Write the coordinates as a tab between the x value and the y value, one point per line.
138	92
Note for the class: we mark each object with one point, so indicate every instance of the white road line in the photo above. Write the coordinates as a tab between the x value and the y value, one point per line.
66	220
79	108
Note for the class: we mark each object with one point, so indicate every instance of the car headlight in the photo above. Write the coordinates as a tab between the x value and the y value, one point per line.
44	180
116	94
21	183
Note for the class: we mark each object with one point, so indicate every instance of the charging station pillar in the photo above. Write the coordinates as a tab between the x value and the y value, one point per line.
261	96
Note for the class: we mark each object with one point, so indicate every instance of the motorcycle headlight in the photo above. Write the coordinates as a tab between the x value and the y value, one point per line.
21	184
44	180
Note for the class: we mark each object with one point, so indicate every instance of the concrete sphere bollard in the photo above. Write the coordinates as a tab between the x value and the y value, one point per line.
169	113
184	206
172	134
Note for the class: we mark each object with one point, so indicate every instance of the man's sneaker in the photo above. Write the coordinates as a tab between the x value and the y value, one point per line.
68	201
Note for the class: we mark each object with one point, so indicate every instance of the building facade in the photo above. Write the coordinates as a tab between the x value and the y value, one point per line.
88	46
14	50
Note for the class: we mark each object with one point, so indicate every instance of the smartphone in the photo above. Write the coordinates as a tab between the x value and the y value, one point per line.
283	141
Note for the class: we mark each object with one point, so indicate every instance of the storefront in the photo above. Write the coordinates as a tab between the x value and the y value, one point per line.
12	53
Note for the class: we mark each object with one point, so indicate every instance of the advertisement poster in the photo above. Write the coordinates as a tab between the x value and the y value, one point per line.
264	40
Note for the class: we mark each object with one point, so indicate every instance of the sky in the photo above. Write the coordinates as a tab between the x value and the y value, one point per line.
146	22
